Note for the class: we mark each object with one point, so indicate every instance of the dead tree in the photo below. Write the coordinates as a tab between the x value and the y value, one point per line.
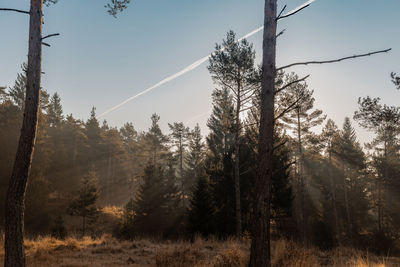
14	216
260	254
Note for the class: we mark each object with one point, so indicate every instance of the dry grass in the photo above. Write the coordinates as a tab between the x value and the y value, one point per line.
107	251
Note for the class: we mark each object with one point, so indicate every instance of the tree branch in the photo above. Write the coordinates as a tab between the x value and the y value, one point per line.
287	109
333	60
291	14
46	44
15	10
280	13
291	83
280	33
50	35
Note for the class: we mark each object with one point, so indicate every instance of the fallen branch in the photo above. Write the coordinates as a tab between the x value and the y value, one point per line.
333	60
15	10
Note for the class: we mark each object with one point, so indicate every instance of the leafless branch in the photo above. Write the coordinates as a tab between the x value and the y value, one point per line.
280	33
46	44
291	14
290	84
280	13
15	10
333	60
50	35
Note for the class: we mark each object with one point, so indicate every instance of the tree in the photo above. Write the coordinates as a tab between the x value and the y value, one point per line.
232	67
85	204
14	234
156	143
218	160
179	137
152	203
201	213
384	122
55	112
195	157
329	136
355	182
395	80
260	245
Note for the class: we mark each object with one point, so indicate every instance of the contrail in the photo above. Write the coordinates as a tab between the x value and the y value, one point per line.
191	66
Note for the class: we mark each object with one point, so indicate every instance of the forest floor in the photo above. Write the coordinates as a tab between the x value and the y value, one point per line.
107	251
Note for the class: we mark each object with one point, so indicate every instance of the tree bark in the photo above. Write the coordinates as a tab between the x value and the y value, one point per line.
346	200
333	193
237	170
15	202
260	255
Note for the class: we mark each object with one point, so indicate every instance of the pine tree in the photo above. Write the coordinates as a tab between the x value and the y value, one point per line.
152	203
85	204
195	157
55	112
179	138
218	162
233	68
384	122
201	213
300	118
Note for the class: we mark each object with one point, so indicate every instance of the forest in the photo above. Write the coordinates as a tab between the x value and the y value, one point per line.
92	182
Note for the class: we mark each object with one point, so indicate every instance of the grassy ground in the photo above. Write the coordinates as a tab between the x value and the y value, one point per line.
107	251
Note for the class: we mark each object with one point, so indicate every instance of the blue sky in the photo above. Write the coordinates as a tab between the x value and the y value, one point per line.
100	61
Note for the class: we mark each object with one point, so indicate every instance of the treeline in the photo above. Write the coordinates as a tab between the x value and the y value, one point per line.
326	190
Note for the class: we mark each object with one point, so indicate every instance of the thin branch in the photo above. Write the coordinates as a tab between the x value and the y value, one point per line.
333	60
280	144
290	84
46	44
291	14
280	33
15	10
50	35
280	13
287	109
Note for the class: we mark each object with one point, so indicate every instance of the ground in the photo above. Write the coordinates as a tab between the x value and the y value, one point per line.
107	251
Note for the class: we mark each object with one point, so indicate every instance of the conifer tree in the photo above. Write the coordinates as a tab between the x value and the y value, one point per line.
85	204
233	68
201	213
298	100
152	203
384	122
55	112
179	138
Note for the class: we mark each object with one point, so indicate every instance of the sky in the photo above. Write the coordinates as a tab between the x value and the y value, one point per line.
100	61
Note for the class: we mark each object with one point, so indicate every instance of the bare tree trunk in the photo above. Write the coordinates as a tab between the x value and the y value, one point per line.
237	171
15	202
302	182
333	192
346	200
260	255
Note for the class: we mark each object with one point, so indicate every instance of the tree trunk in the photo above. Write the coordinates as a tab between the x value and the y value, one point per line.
15	202
237	170
333	192
302	182
346	200
260	255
